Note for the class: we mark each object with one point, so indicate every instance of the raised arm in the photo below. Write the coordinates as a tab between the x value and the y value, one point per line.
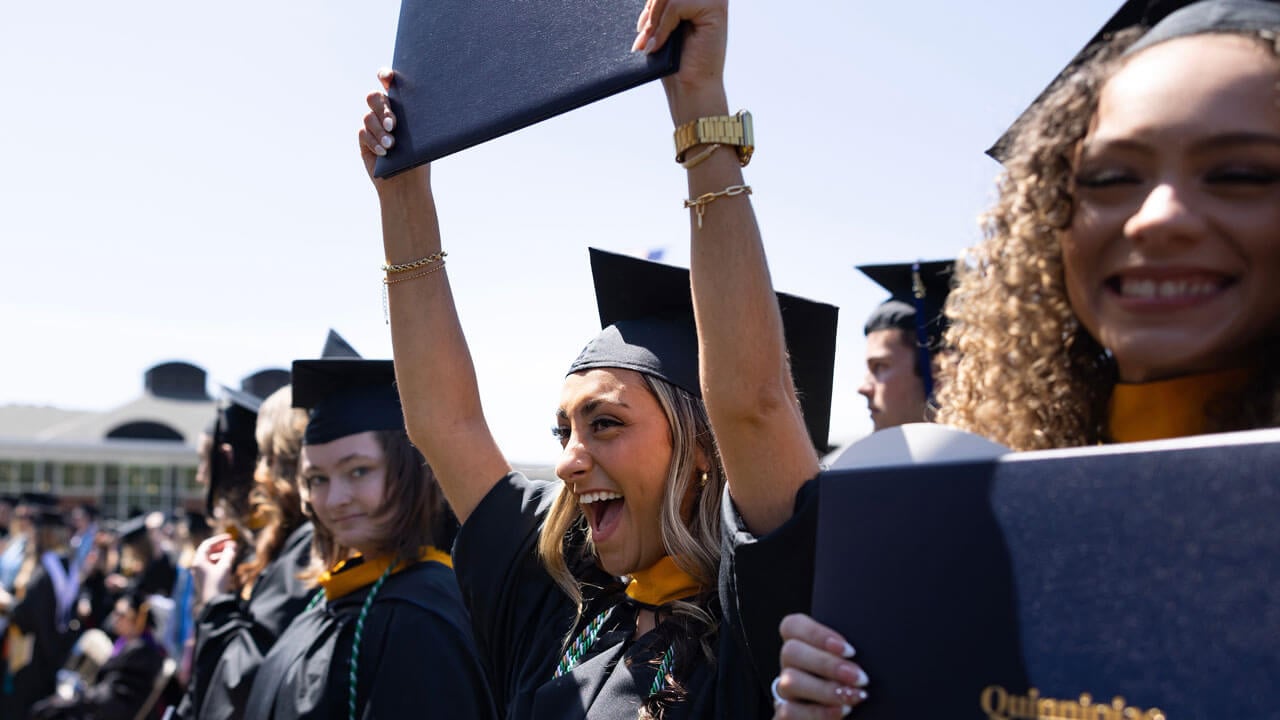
746	380
434	372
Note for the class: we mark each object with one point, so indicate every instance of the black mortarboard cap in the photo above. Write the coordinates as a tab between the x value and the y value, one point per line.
1133	13
335	346
918	292
132	528
646	311
46	516
195	519
236	426
346	396
38	500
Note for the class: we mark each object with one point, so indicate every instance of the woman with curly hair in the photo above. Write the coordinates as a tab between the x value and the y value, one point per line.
1126	288
246	607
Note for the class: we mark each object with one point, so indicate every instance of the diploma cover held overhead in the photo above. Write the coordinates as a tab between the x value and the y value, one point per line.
468	71
1132	581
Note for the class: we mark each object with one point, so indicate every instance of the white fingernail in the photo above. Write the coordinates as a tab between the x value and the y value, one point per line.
377	150
388	141
862	678
845	710
388	124
848	650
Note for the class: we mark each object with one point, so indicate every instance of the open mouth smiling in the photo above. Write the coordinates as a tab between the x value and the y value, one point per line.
603	509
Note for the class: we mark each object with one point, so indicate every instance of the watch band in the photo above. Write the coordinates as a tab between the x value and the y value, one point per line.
733	130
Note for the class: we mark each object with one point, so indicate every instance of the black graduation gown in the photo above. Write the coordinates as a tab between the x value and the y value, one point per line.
35	615
417	658
121	686
232	636
521	618
762	581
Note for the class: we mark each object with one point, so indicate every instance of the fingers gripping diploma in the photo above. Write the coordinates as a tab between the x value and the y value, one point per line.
379	122
818	680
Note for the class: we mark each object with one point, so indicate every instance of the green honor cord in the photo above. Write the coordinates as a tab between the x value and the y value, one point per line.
587	638
354	664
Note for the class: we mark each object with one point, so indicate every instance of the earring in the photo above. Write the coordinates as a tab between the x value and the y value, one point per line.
703	482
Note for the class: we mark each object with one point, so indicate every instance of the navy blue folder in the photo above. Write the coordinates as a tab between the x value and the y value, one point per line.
1128	582
468	71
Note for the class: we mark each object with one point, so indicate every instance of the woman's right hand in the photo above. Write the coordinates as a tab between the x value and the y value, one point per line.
211	568
817	678
377	136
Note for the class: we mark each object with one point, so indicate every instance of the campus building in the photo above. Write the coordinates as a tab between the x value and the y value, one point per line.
140	456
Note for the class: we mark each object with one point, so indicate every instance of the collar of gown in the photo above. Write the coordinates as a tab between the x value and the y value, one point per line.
661	583
1178	407
352	574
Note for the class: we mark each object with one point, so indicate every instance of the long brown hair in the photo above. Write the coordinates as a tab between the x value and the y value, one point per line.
413	511
1024	371
274	498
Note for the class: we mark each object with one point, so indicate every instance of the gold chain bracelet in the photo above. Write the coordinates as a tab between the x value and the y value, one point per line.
420	262
700	203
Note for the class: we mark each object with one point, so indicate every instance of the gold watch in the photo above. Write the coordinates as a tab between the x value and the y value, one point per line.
733	130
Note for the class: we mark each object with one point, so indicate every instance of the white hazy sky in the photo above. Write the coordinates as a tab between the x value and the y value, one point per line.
181	181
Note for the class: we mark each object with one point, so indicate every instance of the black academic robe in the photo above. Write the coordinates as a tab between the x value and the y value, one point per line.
121	686
416	657
762	581
233	636
521	618
35	615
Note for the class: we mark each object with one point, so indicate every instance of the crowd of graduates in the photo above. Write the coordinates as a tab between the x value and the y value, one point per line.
92	610
374	555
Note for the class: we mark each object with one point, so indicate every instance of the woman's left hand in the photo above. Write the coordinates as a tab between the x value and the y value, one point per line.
698	88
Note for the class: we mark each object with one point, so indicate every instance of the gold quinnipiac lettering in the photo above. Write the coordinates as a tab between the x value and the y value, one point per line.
999	704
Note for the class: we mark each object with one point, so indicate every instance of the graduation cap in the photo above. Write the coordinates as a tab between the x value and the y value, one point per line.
646	311
132	529
235	425
918	292
1167	19
346	396
335	346
195	519
48	517
38	500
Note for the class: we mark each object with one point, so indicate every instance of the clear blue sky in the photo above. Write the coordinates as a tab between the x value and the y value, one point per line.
181	181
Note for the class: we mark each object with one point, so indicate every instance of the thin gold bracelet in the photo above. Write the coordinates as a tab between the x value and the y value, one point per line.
388	282
700	203
420	262
415	276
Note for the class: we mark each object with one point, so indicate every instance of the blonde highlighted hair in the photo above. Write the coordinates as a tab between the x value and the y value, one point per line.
692	542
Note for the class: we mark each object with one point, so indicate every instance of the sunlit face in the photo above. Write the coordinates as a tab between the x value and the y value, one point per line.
1172	260
893	389
617	448
346	480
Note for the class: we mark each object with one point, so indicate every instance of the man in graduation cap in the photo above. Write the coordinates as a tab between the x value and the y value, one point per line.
903	336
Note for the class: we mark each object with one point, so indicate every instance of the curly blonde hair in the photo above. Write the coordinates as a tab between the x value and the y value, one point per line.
1022	370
